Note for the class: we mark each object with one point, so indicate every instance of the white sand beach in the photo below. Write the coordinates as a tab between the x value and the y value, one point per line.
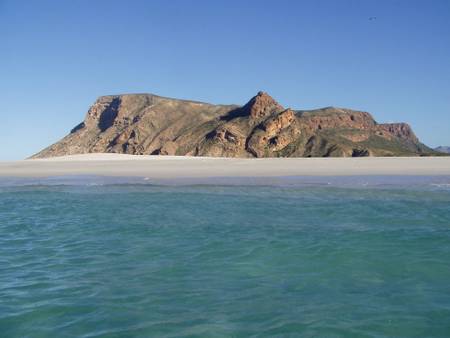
186	167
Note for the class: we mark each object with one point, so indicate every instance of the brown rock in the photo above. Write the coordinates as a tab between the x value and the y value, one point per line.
261	105
150	124
169	148
399	130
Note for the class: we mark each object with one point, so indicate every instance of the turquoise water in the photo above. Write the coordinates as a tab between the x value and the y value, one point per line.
221	261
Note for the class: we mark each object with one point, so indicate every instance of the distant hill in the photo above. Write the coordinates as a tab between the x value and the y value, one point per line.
151	124
443	149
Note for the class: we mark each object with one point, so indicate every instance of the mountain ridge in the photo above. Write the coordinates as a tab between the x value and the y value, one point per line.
152	124
443	149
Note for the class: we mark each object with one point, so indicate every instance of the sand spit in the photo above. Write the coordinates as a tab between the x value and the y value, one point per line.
185	167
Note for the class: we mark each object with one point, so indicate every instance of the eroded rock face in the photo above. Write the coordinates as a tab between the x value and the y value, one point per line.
261	106
150	124
169	148
229	135
399	130
279	122
274	134
339	118
103	113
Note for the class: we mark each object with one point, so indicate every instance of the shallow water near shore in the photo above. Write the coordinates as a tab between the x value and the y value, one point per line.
127	260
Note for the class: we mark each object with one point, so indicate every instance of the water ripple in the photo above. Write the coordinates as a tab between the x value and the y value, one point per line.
96	261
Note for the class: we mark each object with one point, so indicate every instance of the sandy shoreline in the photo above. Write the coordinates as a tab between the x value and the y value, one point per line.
191	167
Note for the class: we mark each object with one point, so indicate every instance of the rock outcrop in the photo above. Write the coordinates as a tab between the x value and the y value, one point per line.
150	124
261	106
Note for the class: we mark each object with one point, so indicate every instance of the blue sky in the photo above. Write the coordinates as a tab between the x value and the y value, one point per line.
56	57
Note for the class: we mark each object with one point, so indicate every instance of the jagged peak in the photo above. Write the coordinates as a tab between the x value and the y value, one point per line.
262	104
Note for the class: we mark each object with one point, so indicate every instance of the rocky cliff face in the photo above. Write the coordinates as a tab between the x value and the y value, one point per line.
150	124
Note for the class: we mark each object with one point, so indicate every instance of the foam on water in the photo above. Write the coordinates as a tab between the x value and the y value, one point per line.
280	181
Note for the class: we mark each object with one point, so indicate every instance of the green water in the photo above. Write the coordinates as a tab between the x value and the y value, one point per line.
211	261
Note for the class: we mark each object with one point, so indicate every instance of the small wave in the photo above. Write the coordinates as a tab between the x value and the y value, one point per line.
440	185
279	181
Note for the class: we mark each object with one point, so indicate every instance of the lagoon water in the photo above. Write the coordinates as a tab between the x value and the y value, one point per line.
134	260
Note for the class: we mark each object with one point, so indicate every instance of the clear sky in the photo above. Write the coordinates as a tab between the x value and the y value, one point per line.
391	58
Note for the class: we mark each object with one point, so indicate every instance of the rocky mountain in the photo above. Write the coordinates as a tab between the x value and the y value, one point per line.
443	149
151	124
